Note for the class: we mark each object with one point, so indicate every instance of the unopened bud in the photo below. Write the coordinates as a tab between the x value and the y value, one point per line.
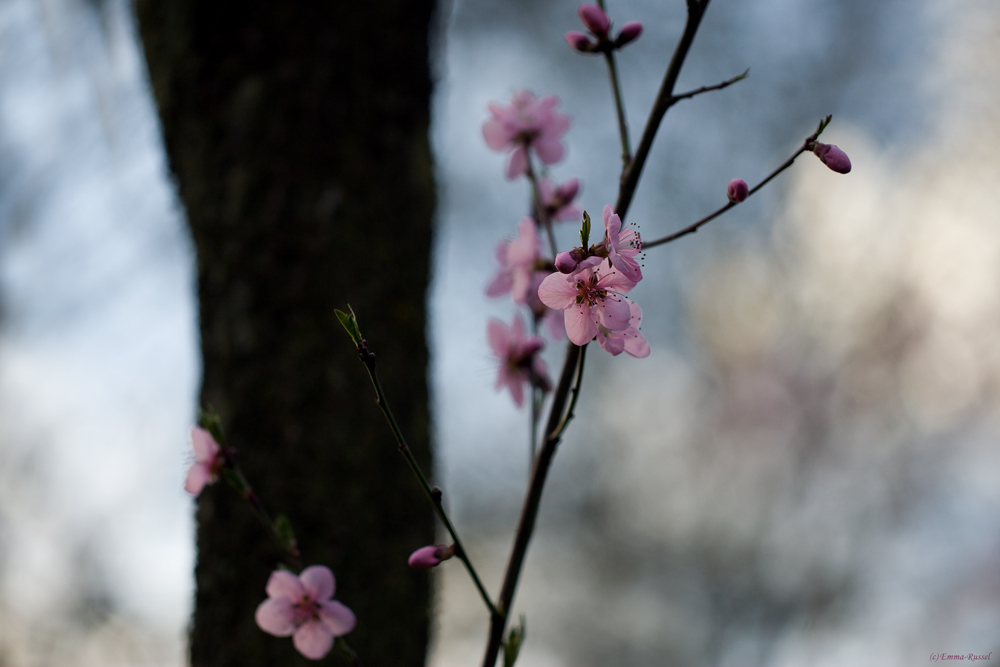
629	33
833	157
580	42
427	557
565	262
595	19
567	191
737	190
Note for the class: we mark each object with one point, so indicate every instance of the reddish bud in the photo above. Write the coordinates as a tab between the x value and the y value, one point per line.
427	557
833	157
567	191
595	19
737	190
565	263
629	33
580	42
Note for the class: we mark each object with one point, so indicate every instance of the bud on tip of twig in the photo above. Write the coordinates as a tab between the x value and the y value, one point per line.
595	19
832	157
737	190
427	557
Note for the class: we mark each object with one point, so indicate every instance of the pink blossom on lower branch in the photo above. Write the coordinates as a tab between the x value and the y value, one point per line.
208	461
301	607
558	199
528	122
592	297
519	360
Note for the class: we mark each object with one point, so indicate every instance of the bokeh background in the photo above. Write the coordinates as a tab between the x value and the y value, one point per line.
805	471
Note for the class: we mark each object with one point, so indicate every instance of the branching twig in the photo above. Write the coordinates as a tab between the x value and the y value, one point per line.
708	89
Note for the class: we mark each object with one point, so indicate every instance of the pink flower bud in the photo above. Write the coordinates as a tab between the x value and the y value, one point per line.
595	19
580	42
833	157
737	190
629	32
567	191
565	262
425	558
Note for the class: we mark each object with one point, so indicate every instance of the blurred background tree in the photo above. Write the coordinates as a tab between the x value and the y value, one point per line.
298	137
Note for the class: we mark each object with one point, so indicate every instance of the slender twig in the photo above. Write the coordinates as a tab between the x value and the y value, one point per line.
433	495
541	216
609	56
664	100
532	500
708	89
806	146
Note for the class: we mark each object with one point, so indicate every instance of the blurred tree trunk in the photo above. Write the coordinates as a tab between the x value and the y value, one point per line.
297	133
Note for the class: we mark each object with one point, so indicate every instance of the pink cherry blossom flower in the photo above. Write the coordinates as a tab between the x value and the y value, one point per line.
591	297
630	340
558	200
208	461
519	360
517	260
833	157
425	558
301	607
623	245
529	123
737	190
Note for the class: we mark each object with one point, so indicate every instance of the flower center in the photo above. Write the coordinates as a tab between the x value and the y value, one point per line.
588	292
304	611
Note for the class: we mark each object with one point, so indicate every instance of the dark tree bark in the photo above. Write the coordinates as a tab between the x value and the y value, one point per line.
297	133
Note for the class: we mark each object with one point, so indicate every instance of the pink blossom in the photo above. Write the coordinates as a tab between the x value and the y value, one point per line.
737	190
595	19
528	123
301	607
623	245
630	340
517	260
629	32
833	157
425	558
558	200
591	297
208	461
519	360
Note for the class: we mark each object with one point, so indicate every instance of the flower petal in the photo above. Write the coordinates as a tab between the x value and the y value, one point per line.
496	135
284	584
517	163
580	325
204	445
612	342
197	477
499	337
613	312
337	618
548	148
635	344
558	292
319	582
276	616
313	640
501	284
612	224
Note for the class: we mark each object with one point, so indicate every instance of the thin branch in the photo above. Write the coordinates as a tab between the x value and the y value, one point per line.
708	89
609	56
806	146
664	100
532	500
540	215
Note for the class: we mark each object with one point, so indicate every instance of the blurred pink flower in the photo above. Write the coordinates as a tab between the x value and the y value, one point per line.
623	245
517	261
591	297
301	607
519	360
629	340
528	123
558	199
208	461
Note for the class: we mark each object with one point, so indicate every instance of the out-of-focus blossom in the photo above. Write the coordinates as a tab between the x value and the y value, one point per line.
519	360
558	199
427	557
517	260
833	157
527	123
301	607
591	297
737	191
622	245
208	461
630	340
629	33
595	19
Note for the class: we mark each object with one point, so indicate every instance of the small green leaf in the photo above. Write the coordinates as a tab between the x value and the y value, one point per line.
512	646
284	529
350	324
585	231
